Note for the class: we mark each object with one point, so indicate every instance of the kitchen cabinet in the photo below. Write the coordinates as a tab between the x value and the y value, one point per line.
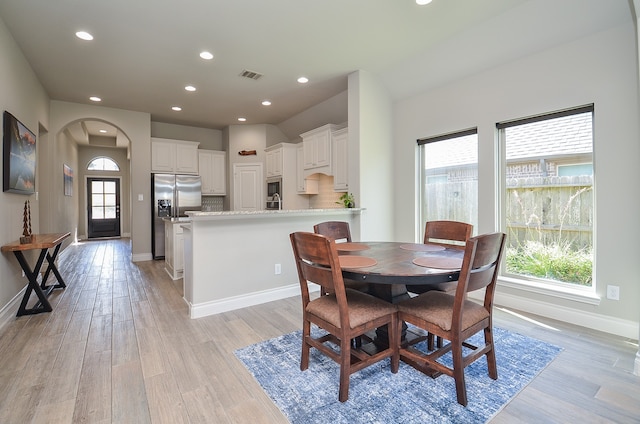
248	187
174	156
274	161
212	170
317	149
339	161
174	248
304	185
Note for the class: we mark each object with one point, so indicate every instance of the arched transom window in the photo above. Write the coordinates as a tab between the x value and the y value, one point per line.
103	164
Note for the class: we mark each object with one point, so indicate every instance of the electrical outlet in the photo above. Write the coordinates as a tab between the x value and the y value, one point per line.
613	292
278	269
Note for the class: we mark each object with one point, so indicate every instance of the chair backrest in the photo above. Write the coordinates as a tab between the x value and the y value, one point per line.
480	269
317	262
444	232
336	230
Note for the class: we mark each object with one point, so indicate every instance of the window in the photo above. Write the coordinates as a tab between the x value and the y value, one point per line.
449	178
547	201
103	199
103	164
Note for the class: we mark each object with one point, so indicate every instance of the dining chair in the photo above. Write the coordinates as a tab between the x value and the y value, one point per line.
455	318
342	314
337	230
340	231
448	234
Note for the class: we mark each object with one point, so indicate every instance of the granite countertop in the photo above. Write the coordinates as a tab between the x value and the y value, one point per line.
202	215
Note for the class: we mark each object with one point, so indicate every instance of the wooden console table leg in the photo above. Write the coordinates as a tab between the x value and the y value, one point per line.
32	276
52	267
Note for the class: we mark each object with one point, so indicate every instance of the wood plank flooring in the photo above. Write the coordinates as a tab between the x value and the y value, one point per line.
119	348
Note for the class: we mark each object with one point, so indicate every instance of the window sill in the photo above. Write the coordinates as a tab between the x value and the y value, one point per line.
583	295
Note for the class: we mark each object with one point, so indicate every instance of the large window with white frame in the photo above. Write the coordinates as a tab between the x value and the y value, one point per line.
449	178
547	199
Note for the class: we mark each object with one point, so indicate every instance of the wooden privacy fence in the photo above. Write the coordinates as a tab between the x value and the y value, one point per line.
551	210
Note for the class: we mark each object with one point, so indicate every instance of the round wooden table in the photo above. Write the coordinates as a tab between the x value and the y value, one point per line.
394	270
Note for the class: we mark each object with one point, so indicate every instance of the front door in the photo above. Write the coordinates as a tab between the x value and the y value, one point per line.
103	199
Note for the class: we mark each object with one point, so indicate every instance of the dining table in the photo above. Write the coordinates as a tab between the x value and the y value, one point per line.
391	268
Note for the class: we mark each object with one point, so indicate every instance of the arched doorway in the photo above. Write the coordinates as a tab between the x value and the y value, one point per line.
103	200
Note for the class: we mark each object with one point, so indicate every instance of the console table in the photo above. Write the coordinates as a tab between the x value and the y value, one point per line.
44	242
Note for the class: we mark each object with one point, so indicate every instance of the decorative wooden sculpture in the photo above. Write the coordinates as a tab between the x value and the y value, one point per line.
247	152
27	235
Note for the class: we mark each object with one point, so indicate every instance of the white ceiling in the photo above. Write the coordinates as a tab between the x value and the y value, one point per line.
146	51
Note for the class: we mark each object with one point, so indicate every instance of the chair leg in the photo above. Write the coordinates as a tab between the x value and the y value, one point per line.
491	355
458	371
345	369
304	356
431	338
394	343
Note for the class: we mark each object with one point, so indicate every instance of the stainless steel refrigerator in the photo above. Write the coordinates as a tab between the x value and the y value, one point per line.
173	195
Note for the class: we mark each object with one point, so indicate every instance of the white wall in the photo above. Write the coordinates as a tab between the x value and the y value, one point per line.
331	111
21	94
371	151
600	69
209	139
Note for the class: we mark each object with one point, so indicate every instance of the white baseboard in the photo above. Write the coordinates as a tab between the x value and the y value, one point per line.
9	311
200	310
607	324
140	257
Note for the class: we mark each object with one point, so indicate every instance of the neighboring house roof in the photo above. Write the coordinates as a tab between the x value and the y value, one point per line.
568	135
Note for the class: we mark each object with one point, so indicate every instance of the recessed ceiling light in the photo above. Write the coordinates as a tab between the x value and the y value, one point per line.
176	108
303	80
242	119
190	88
423	2
103	131
206	55
266	103
95	99
83	35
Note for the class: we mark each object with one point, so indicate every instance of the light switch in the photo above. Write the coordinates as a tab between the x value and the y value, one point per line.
140	197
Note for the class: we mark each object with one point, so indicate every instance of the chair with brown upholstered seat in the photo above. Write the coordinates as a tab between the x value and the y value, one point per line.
455	318
448	234
343	314
337	230
340	231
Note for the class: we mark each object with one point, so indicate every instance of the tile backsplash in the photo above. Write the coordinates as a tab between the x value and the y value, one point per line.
212	203
326	197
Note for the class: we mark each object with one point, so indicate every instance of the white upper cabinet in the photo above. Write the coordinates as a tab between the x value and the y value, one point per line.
304	185
340	151
274	161
317	149
174	156
212	169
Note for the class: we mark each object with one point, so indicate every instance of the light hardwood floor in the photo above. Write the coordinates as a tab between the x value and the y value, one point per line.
119	347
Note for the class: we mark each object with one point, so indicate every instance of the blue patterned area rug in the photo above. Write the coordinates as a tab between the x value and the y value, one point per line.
378	396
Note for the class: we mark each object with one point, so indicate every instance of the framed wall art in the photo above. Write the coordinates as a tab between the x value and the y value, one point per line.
19	157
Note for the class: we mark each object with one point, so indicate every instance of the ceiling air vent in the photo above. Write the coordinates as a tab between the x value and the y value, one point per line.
250	74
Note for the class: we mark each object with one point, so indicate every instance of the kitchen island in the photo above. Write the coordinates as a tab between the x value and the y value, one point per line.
237	259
